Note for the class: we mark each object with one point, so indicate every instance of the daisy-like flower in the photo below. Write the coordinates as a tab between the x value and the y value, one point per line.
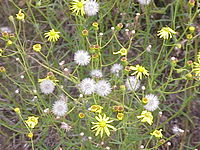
77	7
96	108
139	71
52	35
96	73
91	7
20	15
132	83
122	52
102	125
47	86
152	102
82	58
59	108
87	86
144	2
32	122
166	33
103	88
157	133
116	68
146	117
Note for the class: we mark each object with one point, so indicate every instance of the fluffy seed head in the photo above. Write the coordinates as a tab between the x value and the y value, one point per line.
103	88
59	108
144	2
87	86
132	83
82	58
47	86
96	73
91	7
152	102
116	68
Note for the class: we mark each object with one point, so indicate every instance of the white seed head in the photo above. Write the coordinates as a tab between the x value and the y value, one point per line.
142	146
90	138
144	2
152	103
116	68
17	59
148	49
126	30
103	88
17	91
82	58
91	7
169	143
143	88
5	29
132	83
59	108
87	86
177	130
101	34
82	134
22	76
133	31
96	73
62	63
65	126
112	28
47	86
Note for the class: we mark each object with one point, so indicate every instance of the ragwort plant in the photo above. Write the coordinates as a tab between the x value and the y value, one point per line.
87	74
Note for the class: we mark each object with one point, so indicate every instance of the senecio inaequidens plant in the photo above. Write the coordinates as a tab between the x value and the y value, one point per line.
100	74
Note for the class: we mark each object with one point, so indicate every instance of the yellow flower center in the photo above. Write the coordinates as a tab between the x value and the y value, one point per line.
140	69
102	124
52	33
79	5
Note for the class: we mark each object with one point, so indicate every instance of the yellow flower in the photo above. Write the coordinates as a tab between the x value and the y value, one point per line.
30	135
166	33
32	121
81	115
120	116
95	108
9	42
122	52
52	35
139	70
37	47
146	117
102	125
144	100
20	15
17	110
157	133
196	68
77	7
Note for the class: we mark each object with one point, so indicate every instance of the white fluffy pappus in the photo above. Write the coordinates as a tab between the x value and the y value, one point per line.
103	88
47	86
82	58
96	73
116	68
144	2
91	7
132	83
87	86
152	102
59	108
